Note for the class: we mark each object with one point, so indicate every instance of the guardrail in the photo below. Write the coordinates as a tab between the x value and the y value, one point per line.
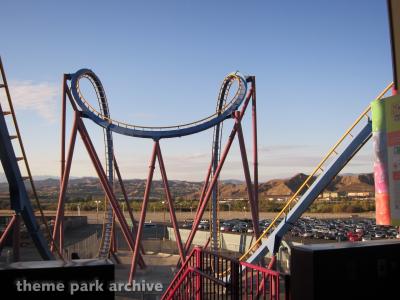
206	275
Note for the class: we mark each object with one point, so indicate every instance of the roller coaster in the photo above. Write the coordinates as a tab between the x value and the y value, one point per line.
228	107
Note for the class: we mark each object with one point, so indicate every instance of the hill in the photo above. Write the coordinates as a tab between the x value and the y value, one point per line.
89	187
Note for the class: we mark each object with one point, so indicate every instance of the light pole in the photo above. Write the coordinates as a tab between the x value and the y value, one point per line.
97	210
163	203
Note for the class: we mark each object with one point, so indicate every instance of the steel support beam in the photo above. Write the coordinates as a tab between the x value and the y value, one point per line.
170	203
143	212
203	202
64	184
7	230
250	190
255	142
128	206
106	187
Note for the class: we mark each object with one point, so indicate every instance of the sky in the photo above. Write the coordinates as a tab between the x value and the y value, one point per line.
317	64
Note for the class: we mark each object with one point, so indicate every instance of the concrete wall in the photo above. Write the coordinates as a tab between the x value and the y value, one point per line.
230	241
71	222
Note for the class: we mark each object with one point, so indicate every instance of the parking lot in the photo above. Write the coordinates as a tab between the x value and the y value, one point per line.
343	229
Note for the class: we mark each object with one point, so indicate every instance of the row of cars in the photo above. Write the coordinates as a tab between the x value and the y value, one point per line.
351	229
345	229
233	225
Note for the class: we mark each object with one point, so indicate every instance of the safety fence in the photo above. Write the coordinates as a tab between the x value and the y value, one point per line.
206	275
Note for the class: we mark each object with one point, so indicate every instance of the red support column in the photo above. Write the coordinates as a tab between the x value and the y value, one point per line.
199	286
170	203
255	142
114	246
106	187
203	202
63	189
204	189
128	206
207	196
143	212
6	231
63	116
250	191
16	238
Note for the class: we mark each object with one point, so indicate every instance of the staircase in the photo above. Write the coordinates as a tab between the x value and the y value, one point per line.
338	156
204	276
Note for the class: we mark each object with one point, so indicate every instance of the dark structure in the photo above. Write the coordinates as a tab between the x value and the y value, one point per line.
350	270
57	280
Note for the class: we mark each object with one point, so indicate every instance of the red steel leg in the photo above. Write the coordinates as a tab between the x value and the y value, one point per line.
143	213
214	180
250	191
199	286
203	191
64	184
106	187
63	116
128	206
114	247
7	230
203	203
255	143
170	203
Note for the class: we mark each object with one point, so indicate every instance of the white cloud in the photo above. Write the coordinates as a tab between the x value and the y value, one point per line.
38	97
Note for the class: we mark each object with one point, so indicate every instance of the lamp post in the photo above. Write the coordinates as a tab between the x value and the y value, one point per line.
163	203
97	210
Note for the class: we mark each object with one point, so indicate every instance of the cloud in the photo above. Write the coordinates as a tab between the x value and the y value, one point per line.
38	97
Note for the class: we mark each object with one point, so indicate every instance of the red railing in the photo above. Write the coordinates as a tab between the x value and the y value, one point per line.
206	275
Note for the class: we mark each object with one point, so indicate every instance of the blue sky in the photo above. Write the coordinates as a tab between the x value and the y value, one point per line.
318	64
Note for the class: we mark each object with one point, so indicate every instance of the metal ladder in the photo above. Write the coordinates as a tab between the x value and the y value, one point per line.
19	198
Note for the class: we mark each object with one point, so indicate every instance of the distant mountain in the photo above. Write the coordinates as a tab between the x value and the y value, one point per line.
85	187
232	181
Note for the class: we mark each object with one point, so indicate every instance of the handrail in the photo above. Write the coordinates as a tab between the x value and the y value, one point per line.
259	268
197	281
178	276
305	183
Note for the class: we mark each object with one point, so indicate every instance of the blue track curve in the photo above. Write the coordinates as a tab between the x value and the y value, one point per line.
155	133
